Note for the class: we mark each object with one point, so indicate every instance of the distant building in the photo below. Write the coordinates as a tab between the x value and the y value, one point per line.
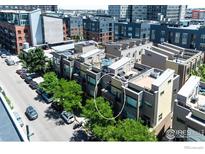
43	8
18	27
198	14
189	111
127	30
189	36
120	11
99	28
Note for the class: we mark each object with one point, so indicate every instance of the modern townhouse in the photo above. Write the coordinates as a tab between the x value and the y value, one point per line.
166	55
132	48
143	92
189	111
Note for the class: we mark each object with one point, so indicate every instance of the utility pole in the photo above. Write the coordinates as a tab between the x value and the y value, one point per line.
28	132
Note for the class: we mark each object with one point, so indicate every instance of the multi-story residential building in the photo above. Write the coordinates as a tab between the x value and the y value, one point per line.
52	29
189	111
133	48
74	26
127	30
188	14
18	27
43	8
148	12
166	55
190	36
120	11
145	93
198	14
139	12
98	28
169	12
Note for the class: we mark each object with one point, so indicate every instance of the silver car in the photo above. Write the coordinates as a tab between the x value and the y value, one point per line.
67	117
18	118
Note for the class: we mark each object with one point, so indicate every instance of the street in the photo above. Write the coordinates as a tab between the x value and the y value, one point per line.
48	126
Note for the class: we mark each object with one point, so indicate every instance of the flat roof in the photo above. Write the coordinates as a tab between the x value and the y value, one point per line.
8	130
145	82
164	76
187	88
119	63
63	47
90	53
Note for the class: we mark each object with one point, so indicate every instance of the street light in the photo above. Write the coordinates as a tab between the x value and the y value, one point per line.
28	133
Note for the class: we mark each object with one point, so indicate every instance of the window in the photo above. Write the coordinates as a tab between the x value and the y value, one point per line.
203	37
153	35
180	120
129	28
25	31
91	80
19	31
20	44
163	33
137	32
170	81
131	101
184	38
177	37
202	46
162	93
147	103
160	117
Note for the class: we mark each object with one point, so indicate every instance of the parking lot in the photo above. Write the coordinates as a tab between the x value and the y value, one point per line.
48	126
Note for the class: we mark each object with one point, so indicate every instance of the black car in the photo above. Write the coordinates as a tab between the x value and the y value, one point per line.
31	113
23	75
48	98
19	71
28	79
57	107
33	85
39	91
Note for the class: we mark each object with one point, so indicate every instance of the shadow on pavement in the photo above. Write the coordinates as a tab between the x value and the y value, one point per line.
79	135
51	114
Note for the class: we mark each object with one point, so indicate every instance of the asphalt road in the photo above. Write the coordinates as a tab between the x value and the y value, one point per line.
49	126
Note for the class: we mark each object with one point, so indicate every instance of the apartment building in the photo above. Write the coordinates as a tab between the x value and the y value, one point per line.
189	111
18	27
43	8
74	26
128	30
190	36
198	14
139	12
99	28
132	48
146	91
120	11
166	55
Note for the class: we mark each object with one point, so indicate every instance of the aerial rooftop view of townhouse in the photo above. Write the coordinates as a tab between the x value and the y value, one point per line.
139	58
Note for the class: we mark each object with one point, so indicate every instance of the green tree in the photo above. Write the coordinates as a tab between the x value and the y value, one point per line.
101	117
69	95
34	60
125	130
50	82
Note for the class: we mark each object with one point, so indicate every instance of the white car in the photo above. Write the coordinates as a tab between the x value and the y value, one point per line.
18	118
3	56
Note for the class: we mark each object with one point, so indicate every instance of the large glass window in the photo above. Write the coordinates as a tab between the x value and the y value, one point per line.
137	32
177	37
184	38
153	35
91	80
203	37
131	101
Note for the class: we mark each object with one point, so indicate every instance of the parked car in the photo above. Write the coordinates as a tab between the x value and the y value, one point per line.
28	79
3	55
48	98
10	62
78	125
23	75
23	70
18	118
67	117
31	113
33	85
39	91
57	107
